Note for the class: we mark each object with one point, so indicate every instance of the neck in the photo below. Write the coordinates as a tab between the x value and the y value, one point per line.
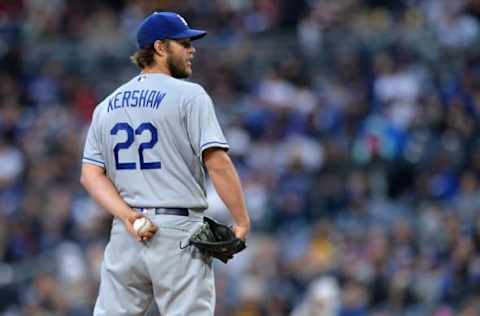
157	69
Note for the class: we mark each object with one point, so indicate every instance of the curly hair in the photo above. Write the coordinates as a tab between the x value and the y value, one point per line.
143	57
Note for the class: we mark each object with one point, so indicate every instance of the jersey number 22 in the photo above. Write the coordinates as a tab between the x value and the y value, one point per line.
129	141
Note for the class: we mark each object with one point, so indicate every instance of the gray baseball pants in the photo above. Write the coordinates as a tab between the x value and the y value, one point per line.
134	274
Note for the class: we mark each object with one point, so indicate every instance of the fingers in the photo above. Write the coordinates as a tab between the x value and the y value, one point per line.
149	234
144	236
134	216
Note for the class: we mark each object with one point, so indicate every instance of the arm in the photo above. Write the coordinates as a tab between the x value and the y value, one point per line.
227	184
103	191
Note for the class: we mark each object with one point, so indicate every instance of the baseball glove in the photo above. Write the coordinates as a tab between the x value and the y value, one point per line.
216	240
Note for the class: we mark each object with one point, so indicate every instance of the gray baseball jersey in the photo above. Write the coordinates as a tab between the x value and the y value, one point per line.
149	135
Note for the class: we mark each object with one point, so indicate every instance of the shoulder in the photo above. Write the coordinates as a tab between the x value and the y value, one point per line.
102	107
97	115
189	89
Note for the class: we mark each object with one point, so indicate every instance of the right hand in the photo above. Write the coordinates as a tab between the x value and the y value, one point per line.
128	220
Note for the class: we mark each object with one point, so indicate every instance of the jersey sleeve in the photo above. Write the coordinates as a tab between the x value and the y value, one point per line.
92	153
202	125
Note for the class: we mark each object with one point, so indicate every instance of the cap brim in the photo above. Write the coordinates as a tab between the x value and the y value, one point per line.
192	34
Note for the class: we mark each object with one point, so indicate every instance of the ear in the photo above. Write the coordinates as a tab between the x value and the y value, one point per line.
160	47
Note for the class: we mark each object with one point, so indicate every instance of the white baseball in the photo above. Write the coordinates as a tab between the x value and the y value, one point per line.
141	225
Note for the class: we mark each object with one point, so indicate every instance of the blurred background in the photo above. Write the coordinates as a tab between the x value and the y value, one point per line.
353	123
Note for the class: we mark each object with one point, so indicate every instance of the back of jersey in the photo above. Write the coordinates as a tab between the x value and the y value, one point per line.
149	135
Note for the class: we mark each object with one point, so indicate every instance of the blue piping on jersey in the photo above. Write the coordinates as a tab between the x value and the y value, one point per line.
218	143
86	158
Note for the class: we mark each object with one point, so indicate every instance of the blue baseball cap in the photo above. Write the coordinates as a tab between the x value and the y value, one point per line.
165	25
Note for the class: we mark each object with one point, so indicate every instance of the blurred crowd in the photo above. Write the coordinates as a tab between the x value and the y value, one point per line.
353	124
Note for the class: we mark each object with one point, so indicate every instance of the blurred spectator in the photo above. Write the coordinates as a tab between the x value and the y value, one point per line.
323	298
354	125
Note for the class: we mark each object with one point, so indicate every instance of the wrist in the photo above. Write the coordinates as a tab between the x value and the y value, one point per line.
244	223
125	214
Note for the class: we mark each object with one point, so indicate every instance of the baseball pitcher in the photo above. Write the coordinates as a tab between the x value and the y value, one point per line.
145	155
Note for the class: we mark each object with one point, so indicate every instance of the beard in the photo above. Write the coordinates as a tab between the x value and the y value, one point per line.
178	67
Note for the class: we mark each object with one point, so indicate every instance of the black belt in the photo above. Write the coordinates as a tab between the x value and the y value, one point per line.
170	211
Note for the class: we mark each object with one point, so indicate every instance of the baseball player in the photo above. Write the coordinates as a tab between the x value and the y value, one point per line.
144	156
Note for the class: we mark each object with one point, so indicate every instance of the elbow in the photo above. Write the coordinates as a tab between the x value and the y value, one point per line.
85	177
83	180
90	174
